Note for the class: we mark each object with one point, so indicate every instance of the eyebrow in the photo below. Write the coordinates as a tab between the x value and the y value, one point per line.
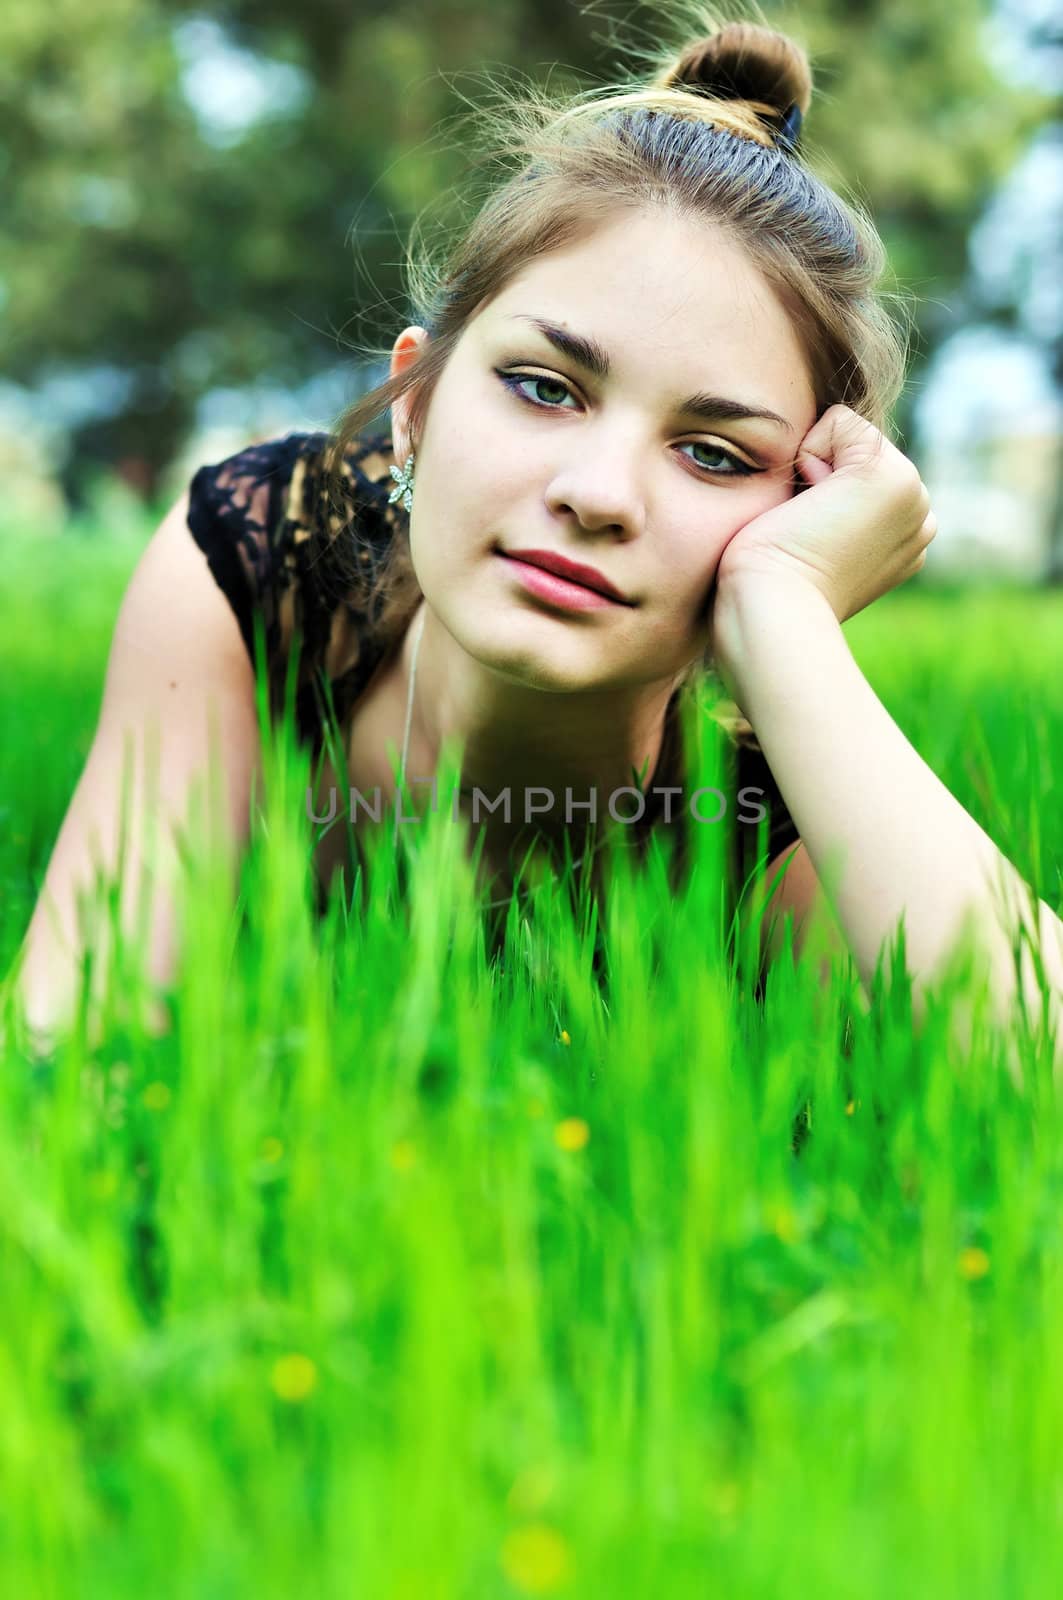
593	358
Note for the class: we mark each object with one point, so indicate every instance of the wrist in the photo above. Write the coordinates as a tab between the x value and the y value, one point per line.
756	611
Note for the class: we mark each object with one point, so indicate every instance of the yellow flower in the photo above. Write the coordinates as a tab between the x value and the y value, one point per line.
571	1134
403	1155
156	1096
564	1036
271	1149
293	1377
973	1262
535	1558
850	1108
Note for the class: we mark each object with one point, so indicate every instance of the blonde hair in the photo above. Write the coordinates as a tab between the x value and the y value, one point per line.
700	138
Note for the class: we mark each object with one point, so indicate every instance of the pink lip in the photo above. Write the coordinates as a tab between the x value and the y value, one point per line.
558	591
573	572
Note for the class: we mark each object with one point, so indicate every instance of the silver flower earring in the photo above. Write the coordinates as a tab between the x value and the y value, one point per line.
403	490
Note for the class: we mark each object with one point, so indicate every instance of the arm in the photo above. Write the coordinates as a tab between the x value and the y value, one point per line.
177	666
870	811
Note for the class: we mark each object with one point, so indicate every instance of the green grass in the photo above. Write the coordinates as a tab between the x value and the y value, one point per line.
411	1266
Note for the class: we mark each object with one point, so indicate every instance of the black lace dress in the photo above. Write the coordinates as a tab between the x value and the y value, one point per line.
282	554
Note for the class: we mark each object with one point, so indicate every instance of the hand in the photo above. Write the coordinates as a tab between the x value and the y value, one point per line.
858	525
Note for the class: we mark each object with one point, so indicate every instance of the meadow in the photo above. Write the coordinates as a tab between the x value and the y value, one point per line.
405	1266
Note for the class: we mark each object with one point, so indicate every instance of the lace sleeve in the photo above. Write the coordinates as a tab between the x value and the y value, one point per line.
237	514
290	559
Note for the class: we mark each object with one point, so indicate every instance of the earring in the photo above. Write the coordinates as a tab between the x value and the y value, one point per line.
403	490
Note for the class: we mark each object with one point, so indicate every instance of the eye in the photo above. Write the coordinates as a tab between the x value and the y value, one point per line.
740	468
515	381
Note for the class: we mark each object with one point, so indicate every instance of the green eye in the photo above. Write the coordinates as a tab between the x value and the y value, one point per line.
515	380
740	467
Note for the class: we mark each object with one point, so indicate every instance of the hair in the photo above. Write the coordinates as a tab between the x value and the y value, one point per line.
709	136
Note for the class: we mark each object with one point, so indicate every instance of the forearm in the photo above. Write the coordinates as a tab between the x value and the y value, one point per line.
885	835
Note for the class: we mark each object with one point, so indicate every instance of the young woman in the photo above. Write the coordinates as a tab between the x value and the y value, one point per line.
658	362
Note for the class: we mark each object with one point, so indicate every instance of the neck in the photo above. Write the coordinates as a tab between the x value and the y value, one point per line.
533	743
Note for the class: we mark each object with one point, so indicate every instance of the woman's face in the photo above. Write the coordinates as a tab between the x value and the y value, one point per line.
525	447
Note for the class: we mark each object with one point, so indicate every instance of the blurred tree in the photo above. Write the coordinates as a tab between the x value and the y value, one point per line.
176	250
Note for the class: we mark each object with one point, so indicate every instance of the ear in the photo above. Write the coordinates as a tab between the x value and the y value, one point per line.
404	351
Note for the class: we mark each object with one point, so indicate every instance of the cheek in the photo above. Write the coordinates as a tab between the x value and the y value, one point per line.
468	486
448	546
759	496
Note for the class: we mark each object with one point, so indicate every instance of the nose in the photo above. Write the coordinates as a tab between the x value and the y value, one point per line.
598	488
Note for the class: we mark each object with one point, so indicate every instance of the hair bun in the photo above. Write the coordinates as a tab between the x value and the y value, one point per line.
744	61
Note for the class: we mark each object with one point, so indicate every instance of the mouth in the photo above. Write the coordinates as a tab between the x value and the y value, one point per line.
556	575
